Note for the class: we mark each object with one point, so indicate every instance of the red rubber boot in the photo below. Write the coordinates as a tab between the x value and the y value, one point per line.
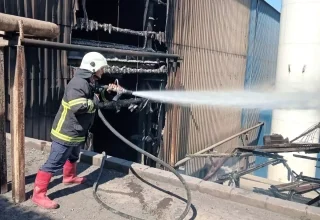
69	174
40	189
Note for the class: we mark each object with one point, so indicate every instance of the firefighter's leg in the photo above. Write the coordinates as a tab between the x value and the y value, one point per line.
70	168
58	156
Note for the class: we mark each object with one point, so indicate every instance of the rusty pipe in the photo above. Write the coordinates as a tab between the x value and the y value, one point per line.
38	28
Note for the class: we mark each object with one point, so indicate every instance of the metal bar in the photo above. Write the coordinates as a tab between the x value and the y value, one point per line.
235	175
3	146
104	44
9	23
307	132
219	143
221	155
262	154
273	156
126	70
286	150
146	7
291	147
148	41
130	61
309	179
17	124
174	143
306	157
71	47
312	201
167	137
212	172
273	162
91	25
290	173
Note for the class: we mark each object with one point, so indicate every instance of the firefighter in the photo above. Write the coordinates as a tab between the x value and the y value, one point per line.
70	128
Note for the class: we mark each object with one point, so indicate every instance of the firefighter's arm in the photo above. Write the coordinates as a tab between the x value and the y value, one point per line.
78	102
105	96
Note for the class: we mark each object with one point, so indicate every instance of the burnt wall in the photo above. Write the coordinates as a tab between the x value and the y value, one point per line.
47	71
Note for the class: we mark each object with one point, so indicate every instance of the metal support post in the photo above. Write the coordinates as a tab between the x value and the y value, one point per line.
17	124
175	110
3	148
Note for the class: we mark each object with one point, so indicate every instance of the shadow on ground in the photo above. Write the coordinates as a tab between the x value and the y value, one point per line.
193	208
67	190
14	212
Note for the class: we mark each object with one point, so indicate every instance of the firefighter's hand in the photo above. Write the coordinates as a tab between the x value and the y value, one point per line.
112	88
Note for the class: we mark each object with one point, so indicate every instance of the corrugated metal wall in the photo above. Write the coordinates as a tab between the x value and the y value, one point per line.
46	70
212	38
261	65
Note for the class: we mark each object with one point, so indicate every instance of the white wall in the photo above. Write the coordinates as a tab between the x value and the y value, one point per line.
299	50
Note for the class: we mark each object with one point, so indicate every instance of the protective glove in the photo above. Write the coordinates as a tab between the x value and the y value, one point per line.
96	101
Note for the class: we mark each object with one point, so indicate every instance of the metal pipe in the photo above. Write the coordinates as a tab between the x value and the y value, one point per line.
270	162
71	47
9	23
148	41
175	109
132	61
179	163
306	157
221	155
90	25
145	14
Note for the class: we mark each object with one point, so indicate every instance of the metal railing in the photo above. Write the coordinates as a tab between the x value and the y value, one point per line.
180	162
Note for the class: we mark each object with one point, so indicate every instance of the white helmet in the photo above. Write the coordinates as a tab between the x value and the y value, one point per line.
93	61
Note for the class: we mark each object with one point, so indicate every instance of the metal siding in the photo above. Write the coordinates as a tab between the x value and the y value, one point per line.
46	70
265	117
262	55
211	36
261	67
318	167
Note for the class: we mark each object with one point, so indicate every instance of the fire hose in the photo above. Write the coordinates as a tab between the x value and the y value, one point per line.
126	141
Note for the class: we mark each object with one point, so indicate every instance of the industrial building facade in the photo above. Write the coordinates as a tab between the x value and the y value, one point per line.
224	44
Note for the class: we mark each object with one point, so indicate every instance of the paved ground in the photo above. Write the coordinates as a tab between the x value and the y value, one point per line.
122	192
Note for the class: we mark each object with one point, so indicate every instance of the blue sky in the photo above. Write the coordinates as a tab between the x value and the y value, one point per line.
275	3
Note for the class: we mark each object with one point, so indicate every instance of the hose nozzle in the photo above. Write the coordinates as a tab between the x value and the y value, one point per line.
124	91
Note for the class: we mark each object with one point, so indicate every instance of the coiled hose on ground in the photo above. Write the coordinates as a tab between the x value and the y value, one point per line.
95	186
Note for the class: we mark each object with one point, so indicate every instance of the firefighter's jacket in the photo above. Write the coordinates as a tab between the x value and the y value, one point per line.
76	112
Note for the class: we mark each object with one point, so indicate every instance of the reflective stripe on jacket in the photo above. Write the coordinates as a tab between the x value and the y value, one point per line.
76	112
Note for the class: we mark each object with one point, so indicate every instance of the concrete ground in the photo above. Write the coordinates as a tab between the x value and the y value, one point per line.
146	199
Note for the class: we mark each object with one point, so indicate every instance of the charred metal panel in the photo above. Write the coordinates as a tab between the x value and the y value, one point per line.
131	25
212	38
46	70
